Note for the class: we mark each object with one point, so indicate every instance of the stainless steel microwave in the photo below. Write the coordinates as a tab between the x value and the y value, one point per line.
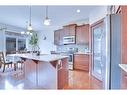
69	40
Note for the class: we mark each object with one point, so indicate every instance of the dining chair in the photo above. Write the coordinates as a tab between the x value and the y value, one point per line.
21	61
4	62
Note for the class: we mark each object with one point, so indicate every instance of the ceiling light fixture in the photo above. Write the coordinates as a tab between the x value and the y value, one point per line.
78	10
47	21
29	28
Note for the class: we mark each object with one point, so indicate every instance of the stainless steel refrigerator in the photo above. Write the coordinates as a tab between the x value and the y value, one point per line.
106	52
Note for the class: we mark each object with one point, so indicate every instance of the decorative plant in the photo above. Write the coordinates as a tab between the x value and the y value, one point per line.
34	41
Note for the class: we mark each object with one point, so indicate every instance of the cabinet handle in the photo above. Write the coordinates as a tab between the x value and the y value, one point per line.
59	65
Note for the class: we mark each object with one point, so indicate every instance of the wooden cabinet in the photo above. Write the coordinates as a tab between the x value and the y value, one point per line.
63	74
81	62
123	12
82	34
45	75
69	30
123	80
61	36
58	37
124	34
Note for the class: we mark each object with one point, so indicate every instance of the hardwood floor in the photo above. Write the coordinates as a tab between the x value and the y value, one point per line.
77	80
82	80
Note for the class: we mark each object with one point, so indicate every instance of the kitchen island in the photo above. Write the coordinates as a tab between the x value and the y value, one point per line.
45	71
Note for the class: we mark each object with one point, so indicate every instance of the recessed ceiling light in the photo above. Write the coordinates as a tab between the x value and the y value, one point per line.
78	10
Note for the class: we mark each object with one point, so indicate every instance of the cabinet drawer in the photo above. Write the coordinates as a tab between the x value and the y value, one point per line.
81	62
81	56
81	67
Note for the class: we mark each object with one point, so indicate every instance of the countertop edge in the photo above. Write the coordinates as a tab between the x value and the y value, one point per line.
122	66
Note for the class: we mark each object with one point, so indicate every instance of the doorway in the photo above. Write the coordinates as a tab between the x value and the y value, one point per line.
97	49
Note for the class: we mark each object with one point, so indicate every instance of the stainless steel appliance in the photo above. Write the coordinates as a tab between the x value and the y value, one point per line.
70	53
69	40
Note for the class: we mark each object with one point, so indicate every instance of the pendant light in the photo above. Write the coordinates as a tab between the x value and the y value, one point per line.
29	28
47	21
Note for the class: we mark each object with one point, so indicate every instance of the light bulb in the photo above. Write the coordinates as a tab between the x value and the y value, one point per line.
78	10
27	32
31	33
29	27
22	32
47	21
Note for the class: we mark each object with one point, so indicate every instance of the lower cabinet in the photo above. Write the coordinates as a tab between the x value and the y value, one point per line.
44	75
81	62
63	74
123	80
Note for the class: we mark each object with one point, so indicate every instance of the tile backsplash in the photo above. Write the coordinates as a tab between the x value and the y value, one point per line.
81	48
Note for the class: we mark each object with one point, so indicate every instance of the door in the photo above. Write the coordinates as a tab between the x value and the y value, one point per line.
97	49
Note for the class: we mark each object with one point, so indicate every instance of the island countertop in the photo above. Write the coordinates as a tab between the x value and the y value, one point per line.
123	67
41	57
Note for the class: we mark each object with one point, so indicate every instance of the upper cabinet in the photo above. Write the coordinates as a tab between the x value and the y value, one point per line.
58	37
82	34
69	30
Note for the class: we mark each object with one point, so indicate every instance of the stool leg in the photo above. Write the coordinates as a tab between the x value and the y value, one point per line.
4	68
8	65
15	67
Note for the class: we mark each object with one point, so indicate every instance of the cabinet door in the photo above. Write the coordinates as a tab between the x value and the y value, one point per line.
61	36
69	30
66	31
79	38
82	34
123	80
123	14
56	37
30	71
72	29
63	74
124	34
81	62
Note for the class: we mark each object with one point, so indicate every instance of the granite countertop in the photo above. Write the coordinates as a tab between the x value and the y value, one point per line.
123	67
41	57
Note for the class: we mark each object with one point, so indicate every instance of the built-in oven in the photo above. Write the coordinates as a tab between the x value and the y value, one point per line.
70	60
69	40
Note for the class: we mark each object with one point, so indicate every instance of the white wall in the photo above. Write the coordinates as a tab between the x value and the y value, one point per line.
97	14
46	45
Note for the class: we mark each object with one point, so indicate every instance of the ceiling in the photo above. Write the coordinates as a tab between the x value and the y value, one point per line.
60	15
